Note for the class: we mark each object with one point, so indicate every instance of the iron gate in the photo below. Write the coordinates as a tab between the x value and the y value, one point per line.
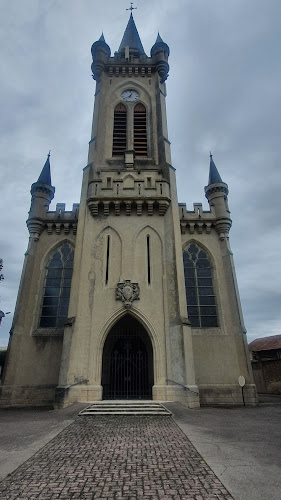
127	368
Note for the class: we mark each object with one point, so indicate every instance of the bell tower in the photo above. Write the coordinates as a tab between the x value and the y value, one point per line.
128	294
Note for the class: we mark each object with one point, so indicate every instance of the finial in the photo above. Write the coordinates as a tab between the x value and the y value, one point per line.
131	8
49	154
211	156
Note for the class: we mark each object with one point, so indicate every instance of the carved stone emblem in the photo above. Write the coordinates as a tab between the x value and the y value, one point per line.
127	292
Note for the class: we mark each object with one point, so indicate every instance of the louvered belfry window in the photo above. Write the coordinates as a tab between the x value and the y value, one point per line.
119	130
140	139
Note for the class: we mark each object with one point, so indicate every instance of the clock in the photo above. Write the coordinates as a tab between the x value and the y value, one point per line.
130	95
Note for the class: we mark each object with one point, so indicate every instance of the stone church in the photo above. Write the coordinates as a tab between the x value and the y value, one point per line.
129	295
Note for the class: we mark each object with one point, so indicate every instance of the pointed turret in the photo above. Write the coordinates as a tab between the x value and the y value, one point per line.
160	46
42	193
100	53
214	175
131	39
160	54
216	193
45	176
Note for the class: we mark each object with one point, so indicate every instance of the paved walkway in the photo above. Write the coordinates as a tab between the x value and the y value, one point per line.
116	457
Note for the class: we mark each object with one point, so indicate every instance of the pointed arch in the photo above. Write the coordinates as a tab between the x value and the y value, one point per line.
140	130
148	257
127	365
203	247
107	253
57	285
199	288
128	182
119	130
158	353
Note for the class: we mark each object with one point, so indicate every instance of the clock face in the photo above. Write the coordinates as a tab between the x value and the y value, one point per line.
130	95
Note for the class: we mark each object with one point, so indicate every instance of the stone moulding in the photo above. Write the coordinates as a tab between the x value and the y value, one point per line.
102	206
48	332
127	292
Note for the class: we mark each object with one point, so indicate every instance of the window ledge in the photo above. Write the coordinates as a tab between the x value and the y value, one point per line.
207	331
48	332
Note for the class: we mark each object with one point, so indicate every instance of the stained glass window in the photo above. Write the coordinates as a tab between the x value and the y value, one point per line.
57	287
200	296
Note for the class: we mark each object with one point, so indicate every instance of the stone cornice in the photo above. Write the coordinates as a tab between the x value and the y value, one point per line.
151	205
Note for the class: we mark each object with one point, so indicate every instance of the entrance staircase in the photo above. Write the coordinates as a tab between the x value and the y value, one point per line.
126	408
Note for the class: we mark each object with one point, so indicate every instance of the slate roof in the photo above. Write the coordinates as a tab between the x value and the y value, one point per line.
214	175
131	37
45	176
266	343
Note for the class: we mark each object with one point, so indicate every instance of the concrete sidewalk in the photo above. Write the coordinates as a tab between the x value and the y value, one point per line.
24	431
241	445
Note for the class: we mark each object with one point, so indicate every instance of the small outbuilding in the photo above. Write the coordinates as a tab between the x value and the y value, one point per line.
265	356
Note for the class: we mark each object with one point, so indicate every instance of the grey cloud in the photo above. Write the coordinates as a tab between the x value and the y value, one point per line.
223	94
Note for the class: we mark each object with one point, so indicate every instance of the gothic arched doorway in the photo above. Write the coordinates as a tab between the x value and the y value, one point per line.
127	363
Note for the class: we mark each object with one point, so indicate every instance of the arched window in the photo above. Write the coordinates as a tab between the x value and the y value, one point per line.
140	139
57	287
200	296
119	130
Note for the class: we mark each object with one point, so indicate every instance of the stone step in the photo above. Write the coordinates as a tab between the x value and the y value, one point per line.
102	408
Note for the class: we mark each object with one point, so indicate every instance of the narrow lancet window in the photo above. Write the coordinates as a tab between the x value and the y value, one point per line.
200	296
119	130
107	260
140	136
148	260
57	287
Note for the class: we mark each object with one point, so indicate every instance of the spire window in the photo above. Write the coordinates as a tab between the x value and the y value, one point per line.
57	287
119	130
140	136
200	296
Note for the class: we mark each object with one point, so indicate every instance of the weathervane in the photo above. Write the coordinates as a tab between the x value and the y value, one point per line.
131	8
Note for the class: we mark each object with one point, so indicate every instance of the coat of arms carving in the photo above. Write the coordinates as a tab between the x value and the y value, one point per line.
127	292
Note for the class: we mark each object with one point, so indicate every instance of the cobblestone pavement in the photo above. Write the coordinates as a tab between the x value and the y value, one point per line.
116	457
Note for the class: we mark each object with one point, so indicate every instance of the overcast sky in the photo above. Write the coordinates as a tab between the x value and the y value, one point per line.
223	95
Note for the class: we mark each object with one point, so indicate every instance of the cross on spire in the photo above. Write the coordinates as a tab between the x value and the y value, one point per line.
131	8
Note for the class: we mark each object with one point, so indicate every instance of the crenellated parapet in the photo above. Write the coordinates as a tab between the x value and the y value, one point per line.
58	222
196	220
199	221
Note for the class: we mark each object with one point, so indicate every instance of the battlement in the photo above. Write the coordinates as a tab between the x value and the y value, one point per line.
196	220
60	220
57	221
60	212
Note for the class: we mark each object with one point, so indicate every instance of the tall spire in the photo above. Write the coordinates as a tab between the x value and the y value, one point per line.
214	175
45	176
131	37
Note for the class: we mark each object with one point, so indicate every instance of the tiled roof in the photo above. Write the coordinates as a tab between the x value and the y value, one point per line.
266	343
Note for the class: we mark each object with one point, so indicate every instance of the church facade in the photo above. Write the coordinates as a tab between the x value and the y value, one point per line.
129	295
